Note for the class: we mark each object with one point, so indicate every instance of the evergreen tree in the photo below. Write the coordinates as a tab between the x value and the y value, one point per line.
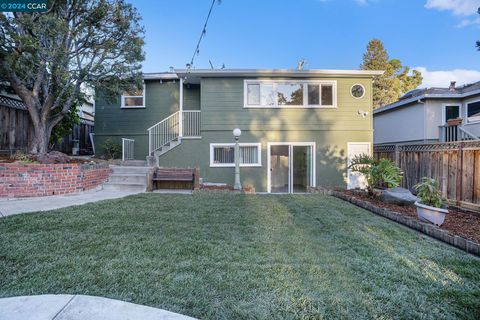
396	80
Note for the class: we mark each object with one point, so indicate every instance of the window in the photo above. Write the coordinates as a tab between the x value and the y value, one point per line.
135	99
290	94
473	111
223	154
357	91
327	95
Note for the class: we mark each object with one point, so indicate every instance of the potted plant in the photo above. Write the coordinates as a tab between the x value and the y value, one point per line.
454	121
430	207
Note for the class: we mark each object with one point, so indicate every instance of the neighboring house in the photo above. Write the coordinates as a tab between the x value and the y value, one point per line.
298	126
15	123
423	115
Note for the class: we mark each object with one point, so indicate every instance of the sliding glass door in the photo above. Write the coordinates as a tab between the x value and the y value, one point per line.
291	167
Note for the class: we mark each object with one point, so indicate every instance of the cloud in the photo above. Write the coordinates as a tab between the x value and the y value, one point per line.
443	78
458	7
361	2
468	22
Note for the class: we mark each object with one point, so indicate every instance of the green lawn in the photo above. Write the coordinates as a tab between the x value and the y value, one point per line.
218	256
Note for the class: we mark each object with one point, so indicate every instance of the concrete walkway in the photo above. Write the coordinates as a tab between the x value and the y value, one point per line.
21	205
78	307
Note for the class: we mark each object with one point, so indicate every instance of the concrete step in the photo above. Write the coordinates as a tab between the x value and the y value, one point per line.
129	169
134	163
128	177
124	186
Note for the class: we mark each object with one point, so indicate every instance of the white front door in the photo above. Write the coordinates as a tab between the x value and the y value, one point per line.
356	179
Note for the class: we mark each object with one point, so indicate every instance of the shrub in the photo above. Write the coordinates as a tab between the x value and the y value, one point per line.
377	172
112	150
429	192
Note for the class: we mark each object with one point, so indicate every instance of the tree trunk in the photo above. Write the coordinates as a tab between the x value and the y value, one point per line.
41	138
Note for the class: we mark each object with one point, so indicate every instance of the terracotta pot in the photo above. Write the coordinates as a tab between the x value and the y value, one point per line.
454	122
431	214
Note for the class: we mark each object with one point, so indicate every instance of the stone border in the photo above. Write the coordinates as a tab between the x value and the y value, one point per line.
423	227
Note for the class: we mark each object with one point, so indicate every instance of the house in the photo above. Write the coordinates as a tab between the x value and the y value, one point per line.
430	115
298	126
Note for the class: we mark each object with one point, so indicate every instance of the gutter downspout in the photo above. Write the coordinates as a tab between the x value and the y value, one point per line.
180	107
424	119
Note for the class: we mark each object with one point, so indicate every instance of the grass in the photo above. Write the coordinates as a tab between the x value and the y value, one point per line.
235	257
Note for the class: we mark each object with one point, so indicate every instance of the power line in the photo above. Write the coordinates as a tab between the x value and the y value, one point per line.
202	34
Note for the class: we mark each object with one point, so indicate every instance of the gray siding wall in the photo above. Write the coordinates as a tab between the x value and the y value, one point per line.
400	125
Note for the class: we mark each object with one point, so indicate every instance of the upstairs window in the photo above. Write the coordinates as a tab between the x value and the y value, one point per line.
134	99
290	94
473	112
223	155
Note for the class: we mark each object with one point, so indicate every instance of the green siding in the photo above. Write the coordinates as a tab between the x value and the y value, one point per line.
221	102
222	109
331	151
161	99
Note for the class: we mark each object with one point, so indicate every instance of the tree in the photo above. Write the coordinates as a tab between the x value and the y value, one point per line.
396	80
46	57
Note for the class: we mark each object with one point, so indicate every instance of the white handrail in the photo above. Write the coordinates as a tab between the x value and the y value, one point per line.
467	135
163	132
128	149
168	129
191	123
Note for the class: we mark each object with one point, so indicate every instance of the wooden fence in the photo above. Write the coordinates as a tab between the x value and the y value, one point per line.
16	130
455	165
14	125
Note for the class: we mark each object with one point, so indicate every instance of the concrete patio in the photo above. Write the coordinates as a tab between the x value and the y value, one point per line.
11	206
78	307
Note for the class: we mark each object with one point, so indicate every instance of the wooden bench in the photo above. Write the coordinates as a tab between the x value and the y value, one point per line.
174	178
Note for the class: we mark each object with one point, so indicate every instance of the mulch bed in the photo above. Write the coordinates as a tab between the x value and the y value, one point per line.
457	222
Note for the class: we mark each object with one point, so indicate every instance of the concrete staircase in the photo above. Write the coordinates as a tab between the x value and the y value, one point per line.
127	178
167	147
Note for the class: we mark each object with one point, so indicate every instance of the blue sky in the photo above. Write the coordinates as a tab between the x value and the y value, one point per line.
436	36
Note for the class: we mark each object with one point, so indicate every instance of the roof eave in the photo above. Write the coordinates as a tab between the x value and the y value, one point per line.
426	96
277	73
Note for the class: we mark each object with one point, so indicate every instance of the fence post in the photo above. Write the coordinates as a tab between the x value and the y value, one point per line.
459	177
397	156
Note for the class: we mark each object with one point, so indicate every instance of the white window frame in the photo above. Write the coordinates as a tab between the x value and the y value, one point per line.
123	106
304	83
357	84
232	145
466	112
444	110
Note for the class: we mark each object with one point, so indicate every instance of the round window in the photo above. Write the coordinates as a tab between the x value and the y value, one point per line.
358	91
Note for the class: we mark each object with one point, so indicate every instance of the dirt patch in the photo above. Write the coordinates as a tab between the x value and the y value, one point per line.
457	222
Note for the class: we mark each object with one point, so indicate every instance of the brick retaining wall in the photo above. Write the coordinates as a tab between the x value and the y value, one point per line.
34	180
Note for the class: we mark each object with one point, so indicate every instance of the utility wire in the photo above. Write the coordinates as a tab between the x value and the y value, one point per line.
204	31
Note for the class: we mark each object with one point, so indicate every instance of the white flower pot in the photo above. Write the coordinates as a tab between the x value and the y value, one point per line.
431	214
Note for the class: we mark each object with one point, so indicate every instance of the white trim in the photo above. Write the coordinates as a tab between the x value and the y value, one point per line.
122	100
230	165
466	113
277	72
290	174
444	106
357	84
304	84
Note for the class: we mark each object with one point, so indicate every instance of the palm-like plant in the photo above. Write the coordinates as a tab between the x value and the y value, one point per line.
429	192
376	172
